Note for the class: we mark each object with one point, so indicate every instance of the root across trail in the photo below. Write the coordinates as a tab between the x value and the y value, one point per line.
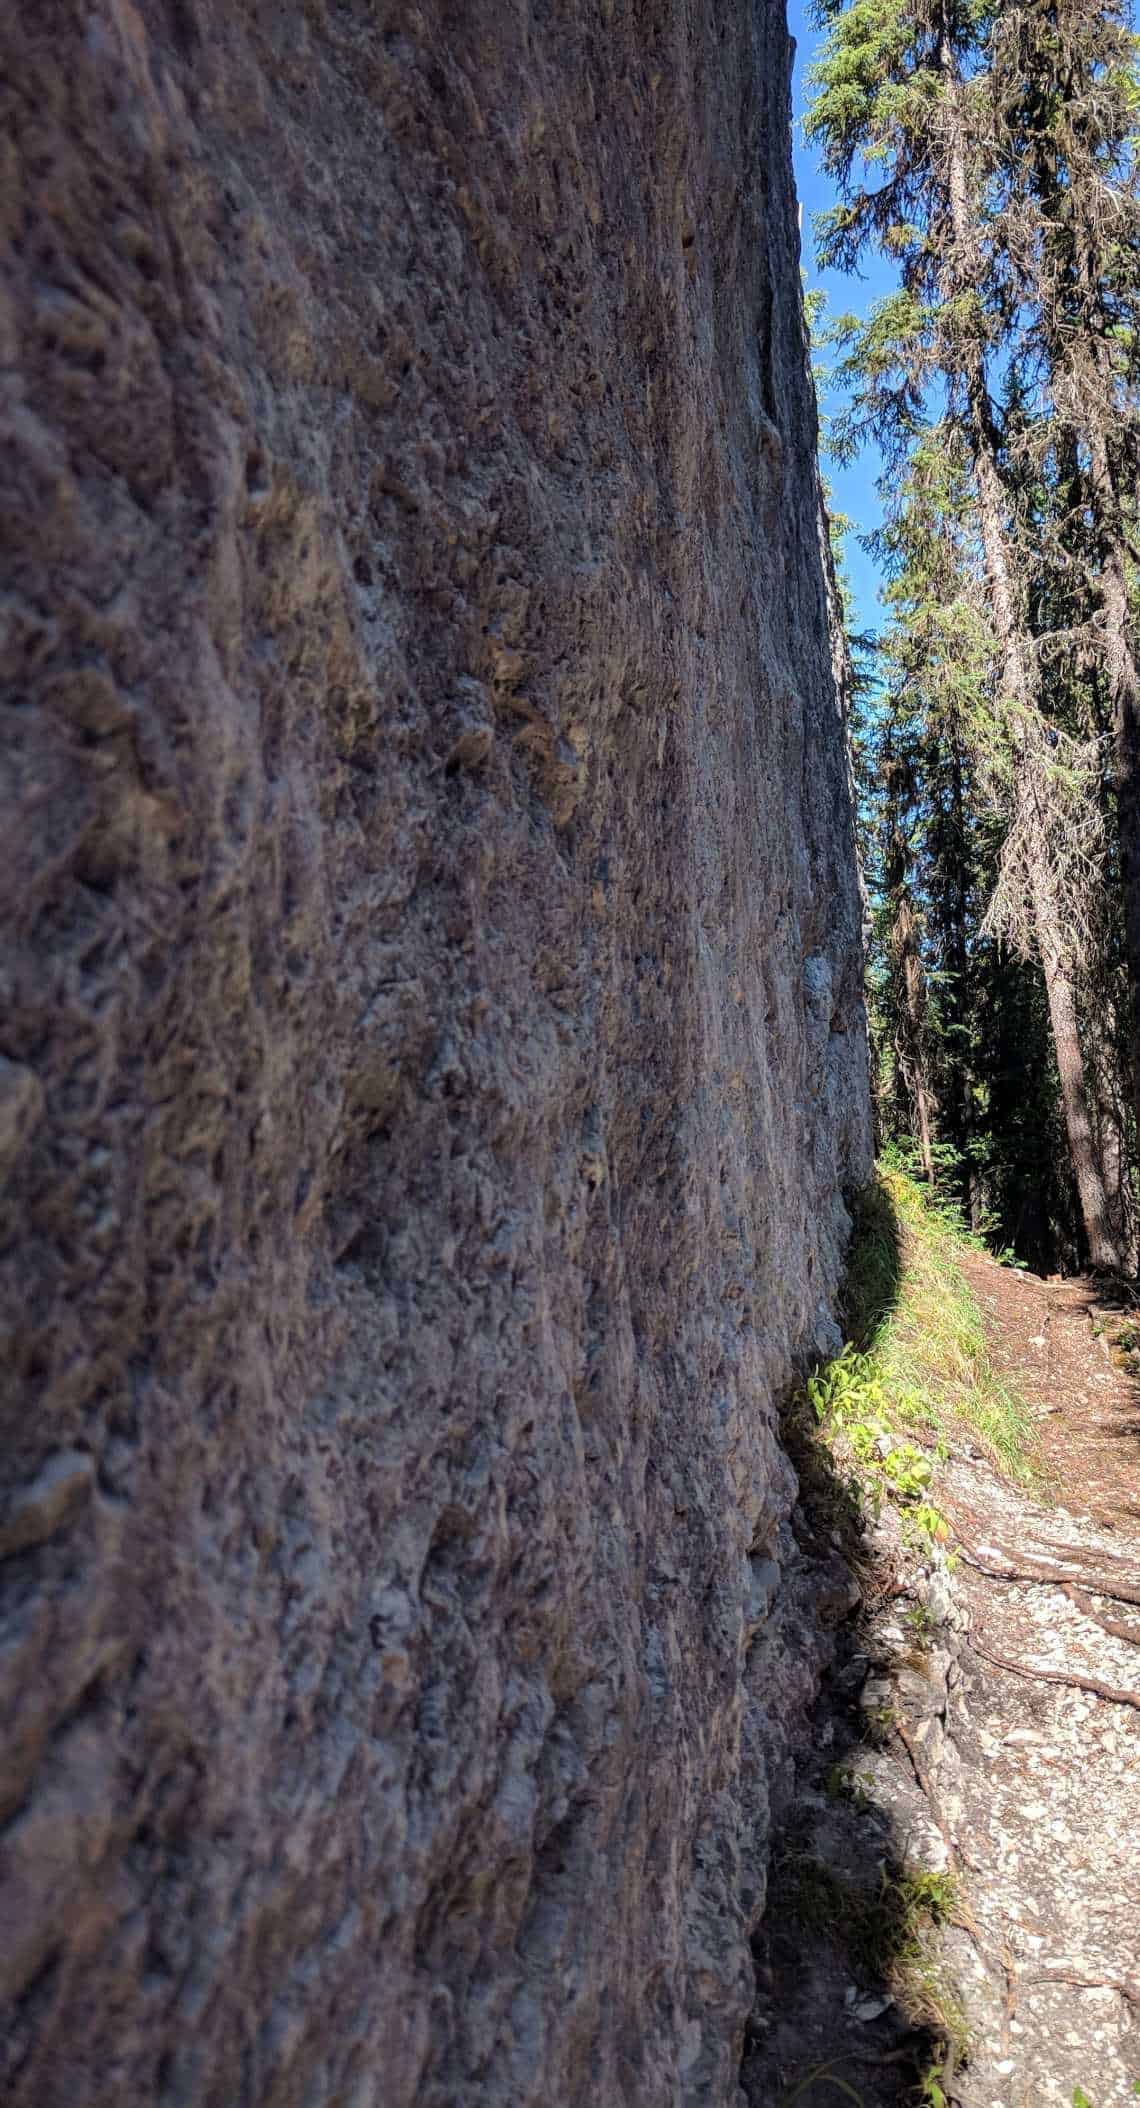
977	1750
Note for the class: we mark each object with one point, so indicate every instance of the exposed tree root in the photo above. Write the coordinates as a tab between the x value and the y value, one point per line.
1055	1576
1124	1986
1074	1677
1116	1626
1009	2003
957	1856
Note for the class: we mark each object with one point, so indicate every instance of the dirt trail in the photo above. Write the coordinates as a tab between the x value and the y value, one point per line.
985	1724
1058	1341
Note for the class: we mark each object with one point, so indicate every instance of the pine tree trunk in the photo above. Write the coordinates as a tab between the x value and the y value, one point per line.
907	972
1085	381
1084	363
912	990
1017	688
960	1107
1106	1087
1088	1170
1085	387
922	1106
1124	690
1048	922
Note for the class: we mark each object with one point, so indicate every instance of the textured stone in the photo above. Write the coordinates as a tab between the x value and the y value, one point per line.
432	1044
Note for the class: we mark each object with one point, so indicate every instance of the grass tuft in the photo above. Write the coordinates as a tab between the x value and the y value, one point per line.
886	1934
911	1311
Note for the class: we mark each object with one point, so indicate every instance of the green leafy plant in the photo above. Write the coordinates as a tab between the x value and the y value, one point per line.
841	1783
926	1523
917	1367
932	2093
850	1396
879	1723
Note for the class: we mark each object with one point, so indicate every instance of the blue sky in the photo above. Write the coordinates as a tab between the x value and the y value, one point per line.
853	488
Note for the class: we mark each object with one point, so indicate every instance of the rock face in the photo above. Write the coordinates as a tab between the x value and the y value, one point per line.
432	1054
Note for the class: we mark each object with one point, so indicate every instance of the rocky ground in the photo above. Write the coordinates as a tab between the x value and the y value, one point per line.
955	1905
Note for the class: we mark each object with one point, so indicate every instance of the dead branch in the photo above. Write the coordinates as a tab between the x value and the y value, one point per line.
1057	812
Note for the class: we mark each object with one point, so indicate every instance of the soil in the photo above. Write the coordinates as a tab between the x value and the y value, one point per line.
983	1721
1058	1339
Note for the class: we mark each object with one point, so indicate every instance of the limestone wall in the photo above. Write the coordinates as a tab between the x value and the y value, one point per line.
432	1053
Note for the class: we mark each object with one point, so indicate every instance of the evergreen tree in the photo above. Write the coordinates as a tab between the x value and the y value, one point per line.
915	132
1064	92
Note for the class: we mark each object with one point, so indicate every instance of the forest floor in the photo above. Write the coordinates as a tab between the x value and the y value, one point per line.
954	1911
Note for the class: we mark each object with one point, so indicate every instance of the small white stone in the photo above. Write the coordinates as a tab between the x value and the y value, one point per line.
872	2008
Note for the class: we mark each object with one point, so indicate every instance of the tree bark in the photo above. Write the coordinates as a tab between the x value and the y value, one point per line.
1092	1186
911	1034
906	967
1124	691
960	1107
1018	692
1085	384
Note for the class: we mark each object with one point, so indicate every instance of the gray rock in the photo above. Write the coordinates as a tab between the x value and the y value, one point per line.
938	1596
37	1511
430	929
763	1583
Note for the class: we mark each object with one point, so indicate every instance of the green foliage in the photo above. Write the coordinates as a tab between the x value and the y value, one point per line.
935	1353
850	1395
918	1370
874	1263
1013	332
920	1621
843	1784
932	2092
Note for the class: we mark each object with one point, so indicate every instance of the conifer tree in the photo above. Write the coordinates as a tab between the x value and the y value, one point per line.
936	656
905	112
1064	94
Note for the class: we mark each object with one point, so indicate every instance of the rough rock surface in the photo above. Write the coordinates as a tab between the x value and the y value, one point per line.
432	1054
